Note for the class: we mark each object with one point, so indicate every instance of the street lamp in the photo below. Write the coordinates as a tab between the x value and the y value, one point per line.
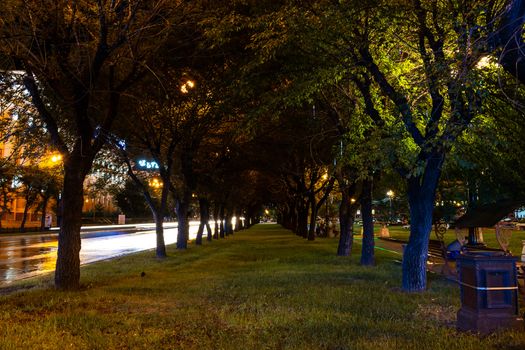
56	158
390	195
190	84
155	183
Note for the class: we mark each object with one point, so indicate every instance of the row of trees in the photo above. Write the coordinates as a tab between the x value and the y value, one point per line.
402	81
28	171
275	101
38	186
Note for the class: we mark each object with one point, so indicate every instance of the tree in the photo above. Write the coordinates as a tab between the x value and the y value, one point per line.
429	87
130	201
448	114
78	58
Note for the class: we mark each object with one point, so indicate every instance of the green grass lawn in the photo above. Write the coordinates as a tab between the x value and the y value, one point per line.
263	288
489	237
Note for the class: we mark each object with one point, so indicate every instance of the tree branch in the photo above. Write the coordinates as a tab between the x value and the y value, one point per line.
399	99
45	115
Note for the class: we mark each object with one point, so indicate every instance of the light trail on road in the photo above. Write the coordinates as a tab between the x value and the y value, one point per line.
27	256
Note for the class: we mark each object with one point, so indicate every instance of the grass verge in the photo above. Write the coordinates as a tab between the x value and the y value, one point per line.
263	288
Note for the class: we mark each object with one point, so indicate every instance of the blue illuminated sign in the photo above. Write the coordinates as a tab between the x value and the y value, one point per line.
144	164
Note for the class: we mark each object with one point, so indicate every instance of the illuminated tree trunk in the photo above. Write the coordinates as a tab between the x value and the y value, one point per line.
160	250
67	272
421	197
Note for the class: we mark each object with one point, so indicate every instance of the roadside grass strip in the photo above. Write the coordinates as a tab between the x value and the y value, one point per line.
263	288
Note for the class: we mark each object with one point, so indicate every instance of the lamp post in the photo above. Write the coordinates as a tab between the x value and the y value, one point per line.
390	195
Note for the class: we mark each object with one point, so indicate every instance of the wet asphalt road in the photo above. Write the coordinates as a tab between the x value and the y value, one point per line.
31	255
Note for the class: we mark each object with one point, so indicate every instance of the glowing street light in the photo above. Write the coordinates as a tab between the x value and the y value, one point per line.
190	84
56	158
155	183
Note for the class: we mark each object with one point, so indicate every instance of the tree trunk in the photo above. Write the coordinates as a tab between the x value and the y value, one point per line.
367	249
216	228
238	224
421	196
157	210
209	233
291	217
346	224
215	222
67	271
45	200
204	218
302	220
181	208
24	215
198	238
221	222
228	228
313	218
160	250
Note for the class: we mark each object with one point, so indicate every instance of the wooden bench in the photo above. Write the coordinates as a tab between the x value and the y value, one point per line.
437	256
437	250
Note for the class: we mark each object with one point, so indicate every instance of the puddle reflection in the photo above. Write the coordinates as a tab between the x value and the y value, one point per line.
26	255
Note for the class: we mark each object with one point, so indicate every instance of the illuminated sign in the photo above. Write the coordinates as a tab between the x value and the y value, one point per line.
148	165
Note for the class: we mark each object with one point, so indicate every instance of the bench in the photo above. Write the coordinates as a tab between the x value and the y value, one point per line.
437	255
437	251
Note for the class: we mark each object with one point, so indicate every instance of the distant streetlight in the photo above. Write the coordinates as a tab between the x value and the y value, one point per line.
155	183
390	195
56	158
190	84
